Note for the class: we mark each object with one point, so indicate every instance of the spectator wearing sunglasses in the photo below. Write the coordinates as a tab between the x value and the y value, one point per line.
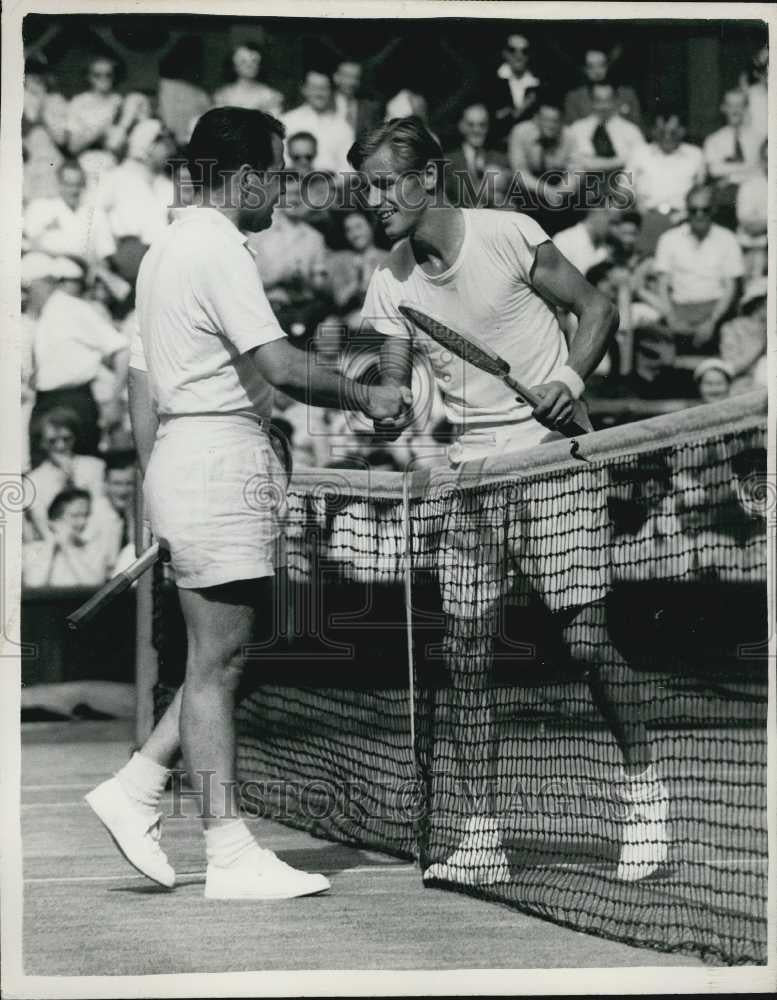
514	92
699	266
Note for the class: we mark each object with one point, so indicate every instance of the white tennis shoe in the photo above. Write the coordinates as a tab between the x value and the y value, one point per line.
479	859
645	842
262	876
134	831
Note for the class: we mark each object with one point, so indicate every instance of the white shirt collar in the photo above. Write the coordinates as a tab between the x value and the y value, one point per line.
505	73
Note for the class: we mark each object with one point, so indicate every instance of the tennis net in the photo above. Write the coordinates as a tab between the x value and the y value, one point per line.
578	725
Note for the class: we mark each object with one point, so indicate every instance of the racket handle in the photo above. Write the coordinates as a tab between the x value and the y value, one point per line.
111	590
581	424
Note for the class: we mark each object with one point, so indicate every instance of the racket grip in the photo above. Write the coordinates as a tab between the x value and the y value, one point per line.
581	423
112	589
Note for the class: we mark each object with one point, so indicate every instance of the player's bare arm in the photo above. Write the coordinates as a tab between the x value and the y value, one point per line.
565	287
142	414
288	369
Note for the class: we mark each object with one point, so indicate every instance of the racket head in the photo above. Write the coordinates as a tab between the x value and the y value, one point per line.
464	346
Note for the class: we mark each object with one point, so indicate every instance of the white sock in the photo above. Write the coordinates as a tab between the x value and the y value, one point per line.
143	780
228	844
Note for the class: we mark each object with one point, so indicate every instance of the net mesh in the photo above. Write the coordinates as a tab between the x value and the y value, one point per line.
589	668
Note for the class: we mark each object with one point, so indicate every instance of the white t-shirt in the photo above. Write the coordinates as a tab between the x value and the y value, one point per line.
662	180
201	307
70	341
487	292
696	268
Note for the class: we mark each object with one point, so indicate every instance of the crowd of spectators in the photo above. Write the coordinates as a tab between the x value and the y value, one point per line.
675	233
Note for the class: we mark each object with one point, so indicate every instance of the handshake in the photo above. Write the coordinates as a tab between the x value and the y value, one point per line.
390	408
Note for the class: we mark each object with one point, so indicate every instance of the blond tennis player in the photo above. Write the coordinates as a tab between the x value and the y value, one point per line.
498	275
214	490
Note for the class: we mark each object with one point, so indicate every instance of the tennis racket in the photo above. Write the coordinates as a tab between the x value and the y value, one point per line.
115	586
469	348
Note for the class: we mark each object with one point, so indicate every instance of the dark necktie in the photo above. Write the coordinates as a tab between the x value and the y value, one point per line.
602	143
739	156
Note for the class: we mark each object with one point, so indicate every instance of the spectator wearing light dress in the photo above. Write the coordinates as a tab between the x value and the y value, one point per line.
699	265
731	154
71	224
662	173
99	119
44	114
246	90
316	115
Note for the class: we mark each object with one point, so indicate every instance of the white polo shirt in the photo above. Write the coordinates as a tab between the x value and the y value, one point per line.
201	308
487	291
697	267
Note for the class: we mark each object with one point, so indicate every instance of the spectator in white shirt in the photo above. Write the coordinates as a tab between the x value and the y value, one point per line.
65	558
604	141
247	91
699	265
137	195
70	224
584	245
44	116
752	203
731	154
662	174
757	92
60	466
316	115
70	341
112	520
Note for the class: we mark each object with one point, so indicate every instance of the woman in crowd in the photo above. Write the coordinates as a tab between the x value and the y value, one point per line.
246	90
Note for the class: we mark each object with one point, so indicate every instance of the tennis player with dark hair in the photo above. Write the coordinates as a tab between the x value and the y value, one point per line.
214	489
498	275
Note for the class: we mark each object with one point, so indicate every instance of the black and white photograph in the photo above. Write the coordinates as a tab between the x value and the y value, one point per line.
388	501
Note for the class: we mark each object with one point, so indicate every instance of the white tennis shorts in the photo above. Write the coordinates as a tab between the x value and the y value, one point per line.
215	495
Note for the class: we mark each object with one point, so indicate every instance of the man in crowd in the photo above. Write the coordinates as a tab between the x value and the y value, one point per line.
585	244
71	224
513	93
467	163
699	265
662	174
540	152
596	68
316	115
112	520
71	339
359	112
731	154
604	141
66	557
743	339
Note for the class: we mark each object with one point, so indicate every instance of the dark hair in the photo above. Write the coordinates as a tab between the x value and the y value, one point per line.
409	140
226	138
702	189
121	458
61	416
631	215
597	273
382	456
57	506
546	98
307	136
229	73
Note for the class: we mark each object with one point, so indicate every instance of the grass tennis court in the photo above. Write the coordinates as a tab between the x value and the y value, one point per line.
87	913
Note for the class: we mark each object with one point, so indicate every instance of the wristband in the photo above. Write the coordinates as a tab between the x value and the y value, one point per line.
571	380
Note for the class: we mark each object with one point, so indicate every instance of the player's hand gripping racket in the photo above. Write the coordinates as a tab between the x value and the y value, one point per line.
115	586
470	349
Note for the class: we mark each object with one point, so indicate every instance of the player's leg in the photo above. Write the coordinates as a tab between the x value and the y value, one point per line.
620	698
